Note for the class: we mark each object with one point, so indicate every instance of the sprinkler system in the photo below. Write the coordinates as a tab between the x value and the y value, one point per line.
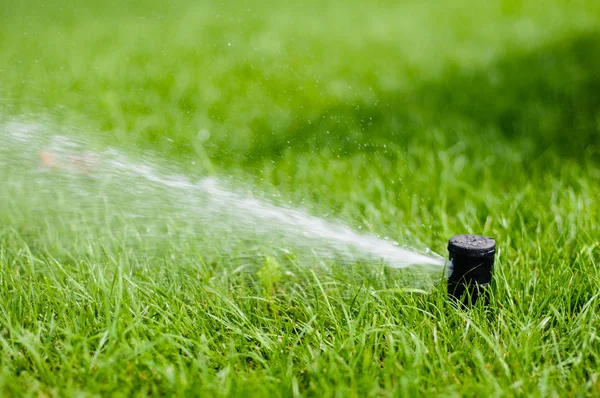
471	266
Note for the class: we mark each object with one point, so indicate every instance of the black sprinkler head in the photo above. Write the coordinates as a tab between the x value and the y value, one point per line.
471	266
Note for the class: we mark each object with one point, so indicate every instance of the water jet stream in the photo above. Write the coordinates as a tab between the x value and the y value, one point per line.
138	189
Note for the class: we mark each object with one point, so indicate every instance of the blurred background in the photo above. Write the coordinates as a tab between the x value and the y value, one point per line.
390	114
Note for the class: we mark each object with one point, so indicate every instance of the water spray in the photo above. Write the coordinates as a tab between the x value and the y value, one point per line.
216	214
471	266
160	198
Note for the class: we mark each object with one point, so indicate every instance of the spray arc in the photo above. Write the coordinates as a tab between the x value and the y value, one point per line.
221	209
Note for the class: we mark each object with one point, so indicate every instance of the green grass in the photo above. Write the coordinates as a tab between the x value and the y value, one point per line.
418	120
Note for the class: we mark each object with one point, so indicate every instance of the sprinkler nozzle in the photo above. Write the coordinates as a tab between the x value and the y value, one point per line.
471	266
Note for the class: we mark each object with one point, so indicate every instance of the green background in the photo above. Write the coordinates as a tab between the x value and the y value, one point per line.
416	119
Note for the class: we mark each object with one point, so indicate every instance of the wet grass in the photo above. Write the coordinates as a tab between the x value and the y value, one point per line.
416	120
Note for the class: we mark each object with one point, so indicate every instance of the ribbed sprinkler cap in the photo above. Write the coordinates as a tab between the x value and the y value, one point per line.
471	266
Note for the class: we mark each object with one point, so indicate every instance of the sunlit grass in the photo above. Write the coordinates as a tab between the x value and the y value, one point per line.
417	121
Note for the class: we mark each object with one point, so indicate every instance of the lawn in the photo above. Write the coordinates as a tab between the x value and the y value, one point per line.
411	120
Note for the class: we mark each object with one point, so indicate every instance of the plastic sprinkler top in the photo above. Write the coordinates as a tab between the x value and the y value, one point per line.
471	266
